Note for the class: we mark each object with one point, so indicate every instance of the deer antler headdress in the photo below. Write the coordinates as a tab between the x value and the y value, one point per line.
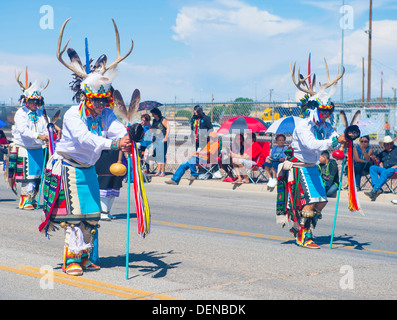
31	90
97	82
320	100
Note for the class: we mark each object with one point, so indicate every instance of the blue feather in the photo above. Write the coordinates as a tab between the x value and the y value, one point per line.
87	58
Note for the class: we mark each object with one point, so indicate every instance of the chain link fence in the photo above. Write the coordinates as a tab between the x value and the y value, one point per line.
179	115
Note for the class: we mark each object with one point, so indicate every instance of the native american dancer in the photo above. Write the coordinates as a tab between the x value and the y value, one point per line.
301	194
109	183
26	154
71	190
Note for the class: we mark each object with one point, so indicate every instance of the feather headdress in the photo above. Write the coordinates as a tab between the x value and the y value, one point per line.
31	90
92	81
313	101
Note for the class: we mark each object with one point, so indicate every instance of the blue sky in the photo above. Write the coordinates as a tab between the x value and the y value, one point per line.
187	51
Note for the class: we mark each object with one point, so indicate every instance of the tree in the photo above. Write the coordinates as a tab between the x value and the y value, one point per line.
241	107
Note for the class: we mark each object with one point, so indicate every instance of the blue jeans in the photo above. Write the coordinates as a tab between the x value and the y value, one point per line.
379	176
188	164
332	190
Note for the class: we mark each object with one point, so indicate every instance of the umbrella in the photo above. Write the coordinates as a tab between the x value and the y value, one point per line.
3	123
284	125
366	126
149	105
241	124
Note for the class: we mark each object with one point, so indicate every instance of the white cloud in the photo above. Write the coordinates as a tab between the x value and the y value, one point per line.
228	19
384	46
40	68
248	50
234	49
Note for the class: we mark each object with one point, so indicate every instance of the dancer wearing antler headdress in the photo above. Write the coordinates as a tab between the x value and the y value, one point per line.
26	155
71	195
301	193
110	181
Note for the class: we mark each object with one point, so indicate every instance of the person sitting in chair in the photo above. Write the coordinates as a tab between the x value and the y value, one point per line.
242	162
329	173
380	175
208	155
362	155
276	156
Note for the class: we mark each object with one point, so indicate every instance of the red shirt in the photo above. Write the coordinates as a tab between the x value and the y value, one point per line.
254	151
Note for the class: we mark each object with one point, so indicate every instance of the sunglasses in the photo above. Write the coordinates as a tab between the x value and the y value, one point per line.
35	101
99	101
364	141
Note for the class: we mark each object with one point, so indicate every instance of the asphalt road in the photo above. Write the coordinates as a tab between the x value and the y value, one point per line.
208	242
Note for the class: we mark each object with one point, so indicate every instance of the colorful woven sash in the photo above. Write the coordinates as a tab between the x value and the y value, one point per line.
353	197
141	203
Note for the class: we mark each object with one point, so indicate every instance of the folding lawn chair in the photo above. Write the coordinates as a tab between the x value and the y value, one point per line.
259	162
389	183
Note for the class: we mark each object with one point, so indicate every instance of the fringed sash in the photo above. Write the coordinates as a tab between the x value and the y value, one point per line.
353	197
141	203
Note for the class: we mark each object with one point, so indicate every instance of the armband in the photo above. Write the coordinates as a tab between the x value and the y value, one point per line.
335	142
115	144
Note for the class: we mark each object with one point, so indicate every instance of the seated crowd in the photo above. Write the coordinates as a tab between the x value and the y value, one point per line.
244	154
245	151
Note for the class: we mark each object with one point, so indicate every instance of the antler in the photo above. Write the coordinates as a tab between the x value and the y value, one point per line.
59	53
330	83
45	86
119	58
301	80
19	81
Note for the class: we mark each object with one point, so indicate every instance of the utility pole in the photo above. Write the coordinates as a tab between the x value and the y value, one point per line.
369	51
381	86
342	45
212	108
362	96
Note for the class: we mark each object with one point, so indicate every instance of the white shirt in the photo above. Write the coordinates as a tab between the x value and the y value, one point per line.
82	145
25	131
307	148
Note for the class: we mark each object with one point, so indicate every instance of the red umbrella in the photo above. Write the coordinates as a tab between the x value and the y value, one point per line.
242	124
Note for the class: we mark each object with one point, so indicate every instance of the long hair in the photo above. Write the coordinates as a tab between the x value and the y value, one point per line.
199	111
156	111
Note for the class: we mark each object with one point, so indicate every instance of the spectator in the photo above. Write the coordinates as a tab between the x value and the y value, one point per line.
276	156
207	155
329	173
249	157
161	140
237	146
379	175
201	126
362	159
226	164
3	145
146	140
387	129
